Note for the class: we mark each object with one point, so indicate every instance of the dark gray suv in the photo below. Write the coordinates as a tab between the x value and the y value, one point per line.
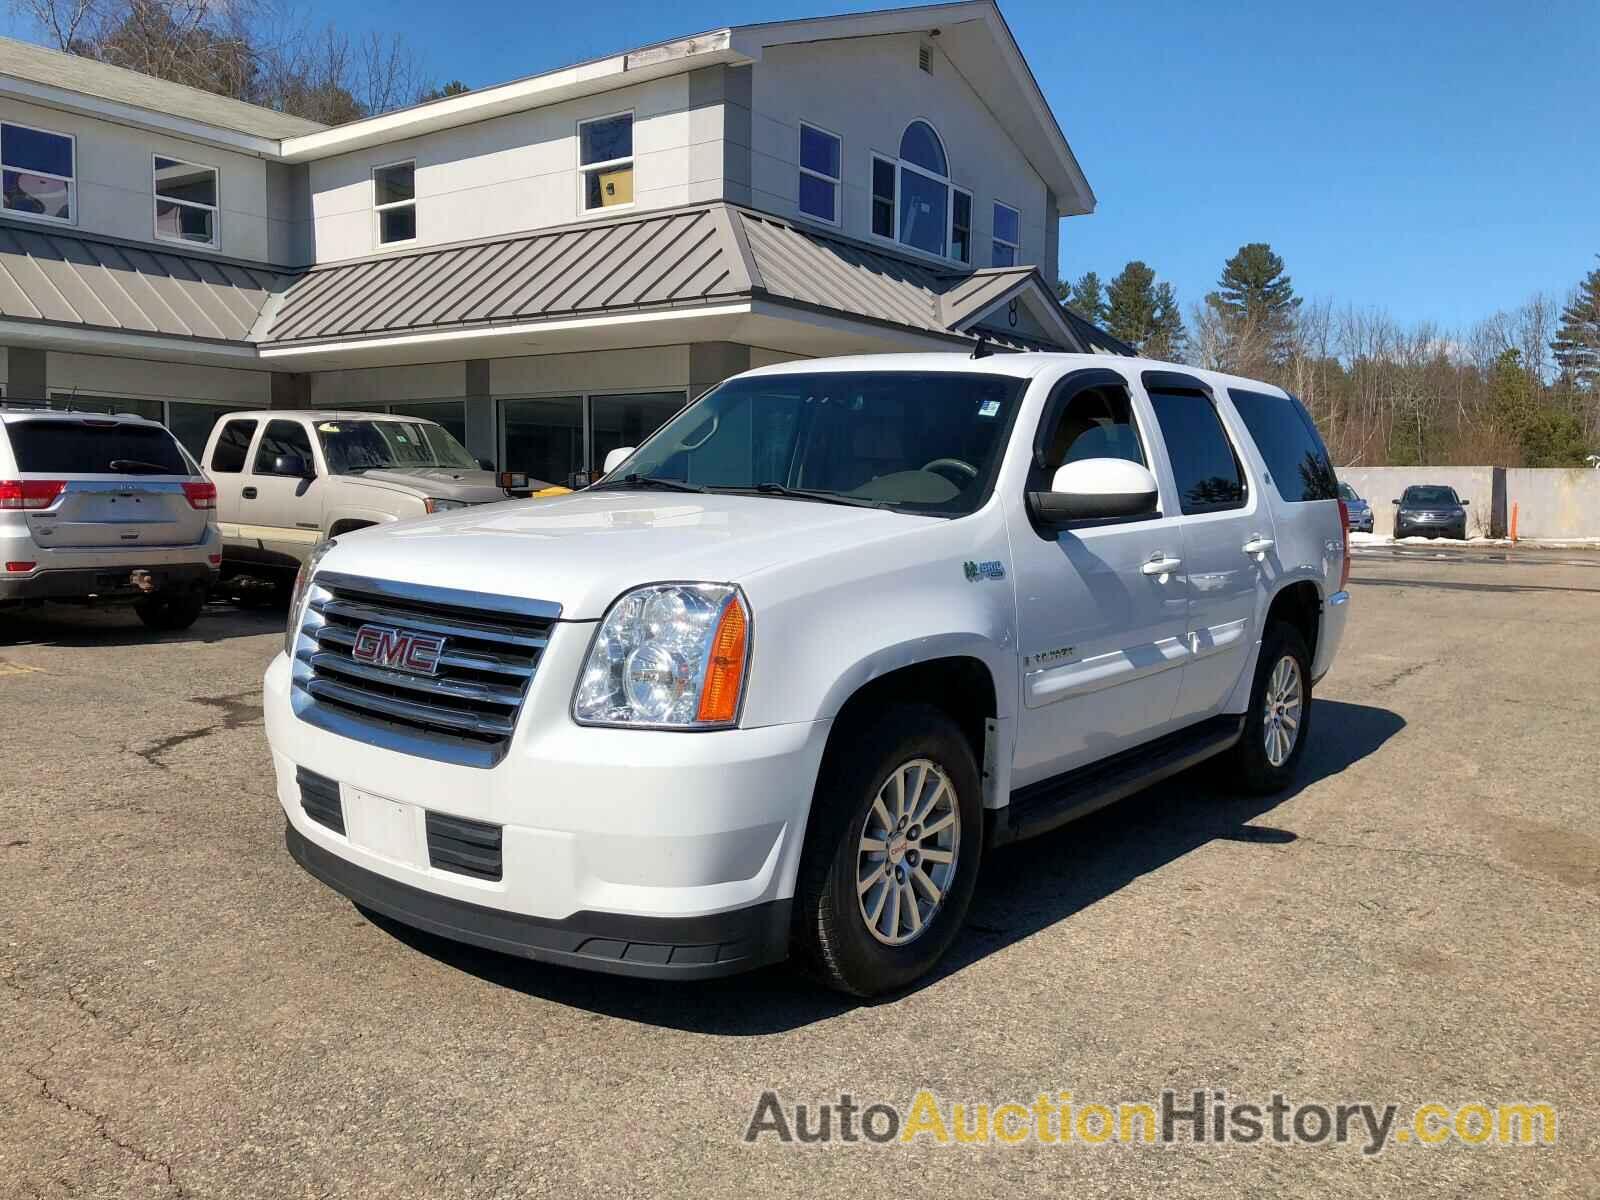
1430	510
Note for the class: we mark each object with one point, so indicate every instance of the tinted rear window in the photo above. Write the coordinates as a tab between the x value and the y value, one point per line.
83	448
1288	440
1203	463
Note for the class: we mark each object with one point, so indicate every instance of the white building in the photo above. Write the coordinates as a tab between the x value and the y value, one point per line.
551	266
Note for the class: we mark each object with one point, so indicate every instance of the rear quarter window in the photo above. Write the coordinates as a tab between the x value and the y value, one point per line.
1290	445
233	443
90	448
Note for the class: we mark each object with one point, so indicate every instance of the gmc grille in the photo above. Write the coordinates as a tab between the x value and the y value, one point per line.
465	712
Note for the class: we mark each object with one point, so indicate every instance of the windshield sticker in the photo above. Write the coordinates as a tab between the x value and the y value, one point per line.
989	408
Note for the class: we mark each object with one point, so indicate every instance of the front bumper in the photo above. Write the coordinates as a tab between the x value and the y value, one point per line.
644	852
1452	529
107	584
615	943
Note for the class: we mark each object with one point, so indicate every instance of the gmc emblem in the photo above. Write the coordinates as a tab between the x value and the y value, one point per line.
400	649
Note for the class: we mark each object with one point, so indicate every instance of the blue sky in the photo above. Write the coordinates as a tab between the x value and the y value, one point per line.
1441	160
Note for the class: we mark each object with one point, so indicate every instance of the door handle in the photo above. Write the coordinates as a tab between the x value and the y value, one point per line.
249	493
1161	564
1258	545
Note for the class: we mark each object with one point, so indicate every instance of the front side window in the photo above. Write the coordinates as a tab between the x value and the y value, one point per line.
1096	423
919	442
819	174
1007	235
1204	466
1284	433
186	201
605	161
233	444
282	438
394	201
37	171
352	447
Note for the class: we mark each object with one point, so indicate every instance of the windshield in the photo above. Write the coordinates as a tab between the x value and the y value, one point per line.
352	447
1348	493
918	442
1430	495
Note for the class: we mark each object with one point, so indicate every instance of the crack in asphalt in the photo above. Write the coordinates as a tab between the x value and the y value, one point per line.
1404	673
238	710
35	1071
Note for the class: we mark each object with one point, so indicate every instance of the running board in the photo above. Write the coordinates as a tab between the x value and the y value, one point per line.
1051	803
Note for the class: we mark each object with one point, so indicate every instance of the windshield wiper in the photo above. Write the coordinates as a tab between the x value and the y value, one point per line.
779	489
138	466
652	481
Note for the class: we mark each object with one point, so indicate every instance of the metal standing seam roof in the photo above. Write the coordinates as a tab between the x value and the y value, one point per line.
38	64
70	280
675	258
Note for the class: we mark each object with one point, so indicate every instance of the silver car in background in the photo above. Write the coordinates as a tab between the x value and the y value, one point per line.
1360	511
104	508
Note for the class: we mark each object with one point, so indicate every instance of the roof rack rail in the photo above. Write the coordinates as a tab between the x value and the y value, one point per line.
59	405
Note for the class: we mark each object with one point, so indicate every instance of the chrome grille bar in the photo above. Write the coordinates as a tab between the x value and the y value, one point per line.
464	713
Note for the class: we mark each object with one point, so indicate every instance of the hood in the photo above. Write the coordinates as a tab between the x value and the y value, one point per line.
581	551
444	483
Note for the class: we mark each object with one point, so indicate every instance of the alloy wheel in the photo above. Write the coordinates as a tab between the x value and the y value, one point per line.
1283	703
906	861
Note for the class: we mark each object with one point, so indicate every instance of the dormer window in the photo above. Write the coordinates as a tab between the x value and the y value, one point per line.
605	161
186	201
37	169
915	203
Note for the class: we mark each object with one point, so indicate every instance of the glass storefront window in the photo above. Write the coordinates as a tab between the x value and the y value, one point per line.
627	421
544	437
191	424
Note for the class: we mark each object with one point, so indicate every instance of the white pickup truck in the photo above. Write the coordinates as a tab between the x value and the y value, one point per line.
776	684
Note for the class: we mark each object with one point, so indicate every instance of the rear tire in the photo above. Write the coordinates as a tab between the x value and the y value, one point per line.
168	613
867	941
1260	763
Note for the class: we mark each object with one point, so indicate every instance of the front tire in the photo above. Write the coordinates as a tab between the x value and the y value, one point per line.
169	613
892	853
1278	722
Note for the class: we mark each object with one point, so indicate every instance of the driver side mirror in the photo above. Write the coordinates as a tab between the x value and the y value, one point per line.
1464	503
616	458
1094	489
293	466
1394	502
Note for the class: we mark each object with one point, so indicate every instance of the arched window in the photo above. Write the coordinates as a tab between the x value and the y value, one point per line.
920	146
914	202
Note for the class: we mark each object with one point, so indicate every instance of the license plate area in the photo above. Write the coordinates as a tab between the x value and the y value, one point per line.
388	828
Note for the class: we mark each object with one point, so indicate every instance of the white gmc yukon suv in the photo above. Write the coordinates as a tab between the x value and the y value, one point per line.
776	683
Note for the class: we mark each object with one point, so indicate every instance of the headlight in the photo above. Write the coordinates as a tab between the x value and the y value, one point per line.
302	585
435	505
667	656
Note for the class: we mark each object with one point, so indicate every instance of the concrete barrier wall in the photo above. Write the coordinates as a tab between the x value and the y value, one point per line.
1481	487
1555	503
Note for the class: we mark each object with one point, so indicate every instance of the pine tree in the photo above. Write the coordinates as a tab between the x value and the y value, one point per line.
1577	342
1512	402
1256	301
1087	298
1131	305
1168	338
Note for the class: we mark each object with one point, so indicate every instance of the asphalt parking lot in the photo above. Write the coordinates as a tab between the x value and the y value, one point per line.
186	1013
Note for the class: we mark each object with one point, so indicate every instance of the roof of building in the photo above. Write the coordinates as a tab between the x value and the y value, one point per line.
86	76
697	256
700	255
65	279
